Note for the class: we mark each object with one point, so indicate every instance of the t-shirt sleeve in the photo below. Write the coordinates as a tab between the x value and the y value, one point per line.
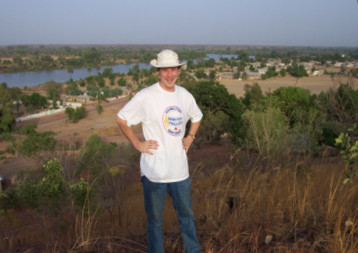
133	111
195	113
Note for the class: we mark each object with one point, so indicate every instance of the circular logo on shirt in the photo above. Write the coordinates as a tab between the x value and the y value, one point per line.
173	120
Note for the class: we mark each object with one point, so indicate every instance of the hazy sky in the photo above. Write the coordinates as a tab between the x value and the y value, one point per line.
228	22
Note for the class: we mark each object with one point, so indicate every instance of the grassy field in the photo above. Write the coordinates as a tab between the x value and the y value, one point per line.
314	84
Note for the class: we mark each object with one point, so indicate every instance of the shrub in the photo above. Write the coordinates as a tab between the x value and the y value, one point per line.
49	193
96	155
267	132
74	115
292	101
36	142
348	143
7	120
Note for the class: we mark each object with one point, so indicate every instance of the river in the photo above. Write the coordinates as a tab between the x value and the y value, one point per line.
34	78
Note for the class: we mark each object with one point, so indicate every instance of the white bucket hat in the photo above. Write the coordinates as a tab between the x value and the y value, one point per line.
166	59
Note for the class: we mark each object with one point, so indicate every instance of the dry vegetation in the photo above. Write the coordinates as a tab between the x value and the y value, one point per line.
243	202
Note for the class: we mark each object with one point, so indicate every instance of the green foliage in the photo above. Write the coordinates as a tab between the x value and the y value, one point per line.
213	126
293	100
283	72
200	74
348	143
100	81
72	89
107	72
92	56
81	192
212	75
267	132
213	97
74	115
306	133
33	101
92	90
7	120
253	95
96	155
99	108
47	194
297	70
271	72
122	82
341	107
54	90
36	142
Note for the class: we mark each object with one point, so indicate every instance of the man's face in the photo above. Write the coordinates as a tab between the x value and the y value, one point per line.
168	77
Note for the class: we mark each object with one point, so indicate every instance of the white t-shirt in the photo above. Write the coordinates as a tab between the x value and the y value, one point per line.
164	116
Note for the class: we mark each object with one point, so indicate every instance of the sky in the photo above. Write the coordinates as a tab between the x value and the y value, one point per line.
314	23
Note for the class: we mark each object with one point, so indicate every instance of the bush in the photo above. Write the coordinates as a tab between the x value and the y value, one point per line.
292	101
74	115
36	142
267	132
96	155
7	120
49	193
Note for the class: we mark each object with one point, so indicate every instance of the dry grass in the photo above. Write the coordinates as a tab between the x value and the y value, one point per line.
314	84
302	208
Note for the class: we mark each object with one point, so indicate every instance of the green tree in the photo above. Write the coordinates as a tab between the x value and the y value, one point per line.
293	100
7	120
253	94
53	90
7	117
244	76
17	60
283	72
297	70
212	75
122	82
200	74
72	89
92	56
212	98
99	108
74	115
107	72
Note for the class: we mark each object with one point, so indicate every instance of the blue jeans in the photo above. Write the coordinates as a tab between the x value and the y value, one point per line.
154	197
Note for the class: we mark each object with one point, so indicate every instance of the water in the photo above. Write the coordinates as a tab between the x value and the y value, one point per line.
33	78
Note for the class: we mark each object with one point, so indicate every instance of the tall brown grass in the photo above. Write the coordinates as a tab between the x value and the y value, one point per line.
244	206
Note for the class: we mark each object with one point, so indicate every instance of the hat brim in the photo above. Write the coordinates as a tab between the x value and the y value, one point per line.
154	63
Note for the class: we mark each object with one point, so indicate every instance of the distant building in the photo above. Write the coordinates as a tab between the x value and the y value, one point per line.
226	75
253	75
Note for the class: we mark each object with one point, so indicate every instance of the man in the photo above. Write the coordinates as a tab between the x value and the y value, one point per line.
164	109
